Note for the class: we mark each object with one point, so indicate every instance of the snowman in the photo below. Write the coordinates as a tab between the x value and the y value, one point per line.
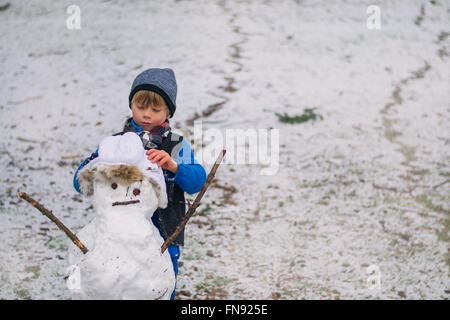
124	260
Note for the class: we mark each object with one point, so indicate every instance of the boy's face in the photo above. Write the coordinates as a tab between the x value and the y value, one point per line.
149	116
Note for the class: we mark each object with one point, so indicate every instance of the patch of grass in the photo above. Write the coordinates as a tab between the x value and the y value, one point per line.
205	210
444	234
408	152
220	281
394	200
305	234
22	293
425	200
308	114
444	174
302	223
4	6
419	18
35	270
442	52
419	172
389	132
443	35
196	256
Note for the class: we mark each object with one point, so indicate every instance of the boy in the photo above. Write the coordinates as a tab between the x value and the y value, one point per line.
152	102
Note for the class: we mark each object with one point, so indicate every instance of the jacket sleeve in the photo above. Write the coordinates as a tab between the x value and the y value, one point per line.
191	175
85	162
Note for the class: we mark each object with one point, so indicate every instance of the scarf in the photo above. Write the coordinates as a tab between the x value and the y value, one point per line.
150	139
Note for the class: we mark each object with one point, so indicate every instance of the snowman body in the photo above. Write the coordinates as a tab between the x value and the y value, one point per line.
124	259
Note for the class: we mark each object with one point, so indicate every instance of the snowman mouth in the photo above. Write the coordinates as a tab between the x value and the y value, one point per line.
125	203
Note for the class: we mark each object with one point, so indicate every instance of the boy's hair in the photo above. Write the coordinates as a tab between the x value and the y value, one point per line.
148	98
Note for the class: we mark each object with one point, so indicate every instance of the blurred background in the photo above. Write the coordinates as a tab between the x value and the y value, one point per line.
359	91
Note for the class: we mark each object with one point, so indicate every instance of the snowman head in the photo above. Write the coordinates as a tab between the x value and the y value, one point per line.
122	174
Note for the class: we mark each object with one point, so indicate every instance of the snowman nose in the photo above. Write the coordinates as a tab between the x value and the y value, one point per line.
136	191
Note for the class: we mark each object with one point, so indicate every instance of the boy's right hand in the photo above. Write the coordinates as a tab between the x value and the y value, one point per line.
164	159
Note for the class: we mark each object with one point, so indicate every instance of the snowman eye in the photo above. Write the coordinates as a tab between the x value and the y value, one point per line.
136	192
114	185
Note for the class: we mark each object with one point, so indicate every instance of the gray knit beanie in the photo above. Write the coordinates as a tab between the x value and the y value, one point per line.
161	81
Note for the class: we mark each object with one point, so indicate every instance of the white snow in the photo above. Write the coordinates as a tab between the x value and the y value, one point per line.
124	260
363	187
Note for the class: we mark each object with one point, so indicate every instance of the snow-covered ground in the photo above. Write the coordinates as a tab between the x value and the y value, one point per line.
363	190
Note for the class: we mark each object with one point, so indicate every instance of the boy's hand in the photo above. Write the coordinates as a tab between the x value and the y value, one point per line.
164	159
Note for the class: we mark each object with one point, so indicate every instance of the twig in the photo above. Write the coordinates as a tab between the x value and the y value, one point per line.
195	204
125	203
52	217
441	184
